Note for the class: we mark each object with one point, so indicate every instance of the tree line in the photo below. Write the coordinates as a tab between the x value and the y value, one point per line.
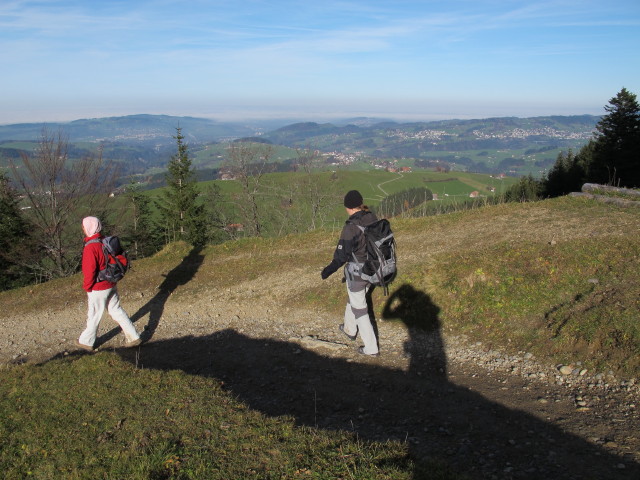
40	235
42	208
611	157
402	202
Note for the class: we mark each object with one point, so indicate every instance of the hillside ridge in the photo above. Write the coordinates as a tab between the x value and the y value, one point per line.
139	143
256	313
145	127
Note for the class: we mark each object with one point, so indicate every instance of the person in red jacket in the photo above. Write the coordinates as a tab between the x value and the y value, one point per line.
100	294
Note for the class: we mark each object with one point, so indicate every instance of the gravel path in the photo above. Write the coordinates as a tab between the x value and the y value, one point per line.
488	414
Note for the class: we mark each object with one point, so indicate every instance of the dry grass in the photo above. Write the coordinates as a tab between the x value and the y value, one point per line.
515	270
558	278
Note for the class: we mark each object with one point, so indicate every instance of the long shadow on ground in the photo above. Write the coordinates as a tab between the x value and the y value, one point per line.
437	418
181	274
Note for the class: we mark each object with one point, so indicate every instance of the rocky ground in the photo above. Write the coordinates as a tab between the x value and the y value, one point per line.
486	413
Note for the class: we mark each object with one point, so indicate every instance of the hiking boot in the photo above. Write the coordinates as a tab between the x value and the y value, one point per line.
361	352
133	343
351	337
88	348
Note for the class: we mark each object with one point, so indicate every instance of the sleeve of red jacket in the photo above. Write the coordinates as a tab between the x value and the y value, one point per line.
90	268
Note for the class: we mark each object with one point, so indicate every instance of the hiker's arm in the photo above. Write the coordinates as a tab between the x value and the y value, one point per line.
341	255
330	269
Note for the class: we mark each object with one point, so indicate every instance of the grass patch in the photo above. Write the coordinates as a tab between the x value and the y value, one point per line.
557	278
97	416
570	300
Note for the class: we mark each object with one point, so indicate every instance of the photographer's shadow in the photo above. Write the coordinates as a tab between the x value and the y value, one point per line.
436	419
417	311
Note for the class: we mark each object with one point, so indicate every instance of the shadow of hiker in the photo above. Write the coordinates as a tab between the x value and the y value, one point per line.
436	418
181	274
418	312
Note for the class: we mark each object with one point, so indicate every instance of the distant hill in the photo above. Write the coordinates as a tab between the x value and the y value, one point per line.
153	129
415	139
509	145
159	128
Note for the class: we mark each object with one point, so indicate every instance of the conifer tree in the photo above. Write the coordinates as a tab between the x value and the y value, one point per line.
13	234
615	157
612	157
184	219
526	190
567	175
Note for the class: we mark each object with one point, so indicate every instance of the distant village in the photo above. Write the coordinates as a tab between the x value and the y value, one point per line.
437	135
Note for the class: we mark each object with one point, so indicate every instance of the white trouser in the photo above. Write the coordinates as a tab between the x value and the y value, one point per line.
98	300
356	314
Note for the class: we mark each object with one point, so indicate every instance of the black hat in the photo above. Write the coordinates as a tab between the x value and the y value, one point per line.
353	199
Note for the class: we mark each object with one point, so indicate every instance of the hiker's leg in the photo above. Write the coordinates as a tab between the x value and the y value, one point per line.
350	326
120	316
96	302
359	310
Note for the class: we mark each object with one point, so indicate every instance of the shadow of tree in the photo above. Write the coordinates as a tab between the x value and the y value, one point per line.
437	418
181	274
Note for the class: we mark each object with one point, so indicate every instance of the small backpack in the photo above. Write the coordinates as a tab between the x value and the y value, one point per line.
117	259
379	267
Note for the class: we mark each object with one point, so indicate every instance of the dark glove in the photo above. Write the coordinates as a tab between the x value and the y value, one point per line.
331	268
326	271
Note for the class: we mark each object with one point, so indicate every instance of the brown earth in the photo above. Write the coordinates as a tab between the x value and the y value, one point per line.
486	413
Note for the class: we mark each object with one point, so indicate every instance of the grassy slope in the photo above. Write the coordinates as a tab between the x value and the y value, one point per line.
451	188
98	417
557	278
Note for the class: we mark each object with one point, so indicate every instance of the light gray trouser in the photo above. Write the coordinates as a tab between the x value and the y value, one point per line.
356	314
98	300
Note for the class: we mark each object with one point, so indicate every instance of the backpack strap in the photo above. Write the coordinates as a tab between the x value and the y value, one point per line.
95	240
105	253
353	254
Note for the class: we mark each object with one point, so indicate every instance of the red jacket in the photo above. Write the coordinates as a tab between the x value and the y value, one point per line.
93	260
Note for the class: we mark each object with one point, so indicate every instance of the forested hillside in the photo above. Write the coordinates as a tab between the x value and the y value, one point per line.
142	143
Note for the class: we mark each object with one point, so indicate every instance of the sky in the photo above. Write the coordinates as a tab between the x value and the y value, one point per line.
315	60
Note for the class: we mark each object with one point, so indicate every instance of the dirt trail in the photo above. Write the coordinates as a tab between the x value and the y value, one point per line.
488	414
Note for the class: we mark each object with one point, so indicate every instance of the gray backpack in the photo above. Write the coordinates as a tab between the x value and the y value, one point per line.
117	259
379	266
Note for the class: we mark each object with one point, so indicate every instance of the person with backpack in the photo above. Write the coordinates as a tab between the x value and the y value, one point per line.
351	247
101	294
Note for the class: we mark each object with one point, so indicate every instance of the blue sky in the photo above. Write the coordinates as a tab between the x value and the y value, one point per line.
237	59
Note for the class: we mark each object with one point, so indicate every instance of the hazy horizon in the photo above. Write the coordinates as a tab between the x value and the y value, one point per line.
292	117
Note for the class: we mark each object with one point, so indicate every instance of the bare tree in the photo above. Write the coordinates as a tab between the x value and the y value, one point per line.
289	214
247	163
59	192
320	196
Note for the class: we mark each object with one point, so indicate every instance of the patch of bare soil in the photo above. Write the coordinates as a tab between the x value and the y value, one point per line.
488	414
